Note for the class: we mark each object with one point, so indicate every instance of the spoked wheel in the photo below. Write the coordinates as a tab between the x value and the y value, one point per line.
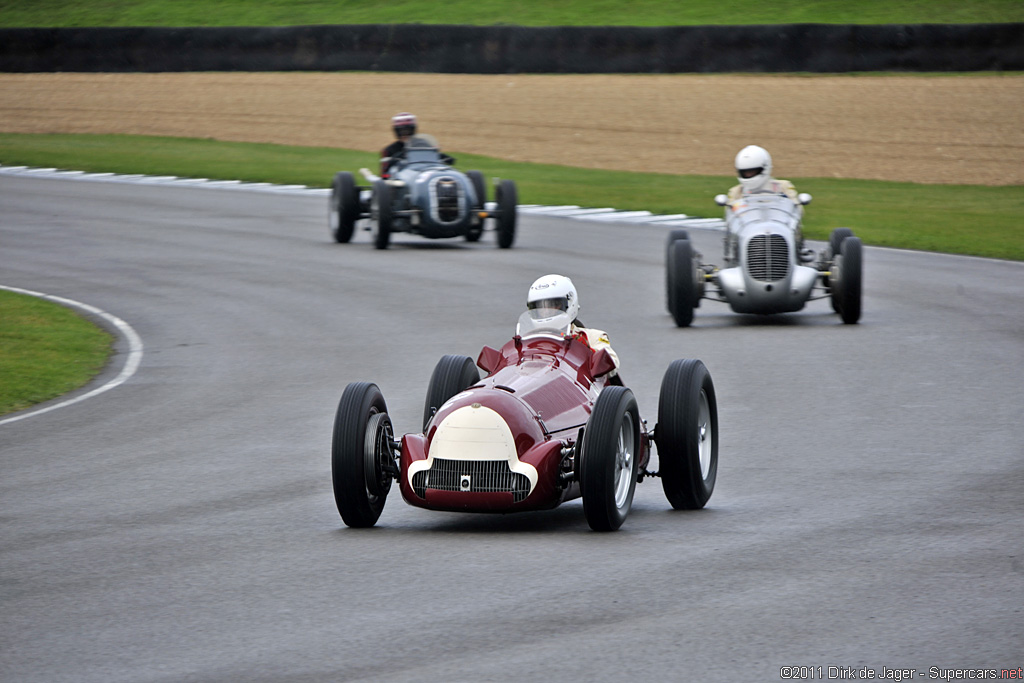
687	434
451	375
507	200
847	275
681	275
383	214
343	207
362	456
610	459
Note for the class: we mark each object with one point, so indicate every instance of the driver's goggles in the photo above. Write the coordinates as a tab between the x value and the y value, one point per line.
750	172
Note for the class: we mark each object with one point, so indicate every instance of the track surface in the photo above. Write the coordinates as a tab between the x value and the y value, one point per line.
182	526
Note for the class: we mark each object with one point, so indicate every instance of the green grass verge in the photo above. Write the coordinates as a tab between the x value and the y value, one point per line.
66	13
45	350
960	219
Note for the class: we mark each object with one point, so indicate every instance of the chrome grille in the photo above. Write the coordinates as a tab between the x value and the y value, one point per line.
768	257
485	476
447	200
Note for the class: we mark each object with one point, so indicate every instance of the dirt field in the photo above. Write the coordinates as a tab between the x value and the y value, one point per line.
962	129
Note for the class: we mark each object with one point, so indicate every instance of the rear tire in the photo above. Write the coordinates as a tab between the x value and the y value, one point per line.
343	207
383	211
678	234
835	240
479	187
610	459
507	200
847	277
687	434
358	463
681	281
474	232
451	375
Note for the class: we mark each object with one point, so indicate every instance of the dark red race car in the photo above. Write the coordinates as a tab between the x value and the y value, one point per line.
544	426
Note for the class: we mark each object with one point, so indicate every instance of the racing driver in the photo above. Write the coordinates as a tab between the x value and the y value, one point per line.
552	303
754	171
404	125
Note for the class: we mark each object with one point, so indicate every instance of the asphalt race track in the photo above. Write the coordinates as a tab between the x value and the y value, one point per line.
182	527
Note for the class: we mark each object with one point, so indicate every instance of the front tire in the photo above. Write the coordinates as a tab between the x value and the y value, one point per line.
362	462
451	375
383	213
687	434
681	281
835	247
678	234
610	459
847	278
343	207
507	200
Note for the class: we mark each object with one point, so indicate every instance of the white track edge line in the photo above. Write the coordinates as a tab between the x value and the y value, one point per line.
560	211
135	347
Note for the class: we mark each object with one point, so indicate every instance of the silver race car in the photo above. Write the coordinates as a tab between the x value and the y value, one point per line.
766	267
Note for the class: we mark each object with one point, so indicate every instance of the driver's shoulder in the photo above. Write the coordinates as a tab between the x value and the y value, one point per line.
592	334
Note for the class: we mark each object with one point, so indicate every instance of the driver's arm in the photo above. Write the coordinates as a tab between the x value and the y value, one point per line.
389	155
597	340
786	188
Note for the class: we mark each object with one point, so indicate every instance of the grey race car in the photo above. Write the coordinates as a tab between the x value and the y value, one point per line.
424	196
767	269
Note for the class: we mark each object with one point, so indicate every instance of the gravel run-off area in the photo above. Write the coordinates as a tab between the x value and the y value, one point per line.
933	129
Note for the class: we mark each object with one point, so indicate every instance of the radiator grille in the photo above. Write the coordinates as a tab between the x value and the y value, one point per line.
768	257
447	200
485	476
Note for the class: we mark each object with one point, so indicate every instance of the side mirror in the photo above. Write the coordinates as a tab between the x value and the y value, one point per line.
489	359
804	198
601	363
722	199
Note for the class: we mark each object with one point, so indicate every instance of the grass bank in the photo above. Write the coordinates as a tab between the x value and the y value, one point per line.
958	219
45	350
73	13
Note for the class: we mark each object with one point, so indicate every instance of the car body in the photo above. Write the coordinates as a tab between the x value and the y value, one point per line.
423	195
544	426
767	269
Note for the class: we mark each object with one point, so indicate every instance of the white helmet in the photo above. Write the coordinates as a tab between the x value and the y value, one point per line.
551	304
554	292
753	167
